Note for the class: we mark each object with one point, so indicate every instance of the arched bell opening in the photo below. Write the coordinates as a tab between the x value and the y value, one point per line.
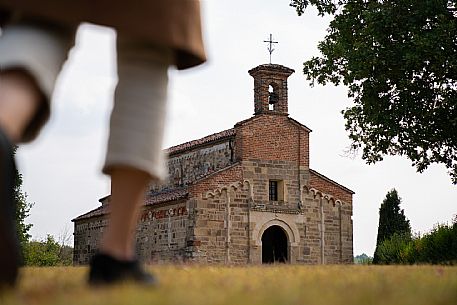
273	97
275	246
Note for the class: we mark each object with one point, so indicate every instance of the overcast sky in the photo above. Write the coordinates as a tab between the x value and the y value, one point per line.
62	168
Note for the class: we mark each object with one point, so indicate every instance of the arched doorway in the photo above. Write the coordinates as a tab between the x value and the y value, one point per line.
274	246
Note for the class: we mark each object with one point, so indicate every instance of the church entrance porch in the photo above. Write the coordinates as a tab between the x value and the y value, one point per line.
274	245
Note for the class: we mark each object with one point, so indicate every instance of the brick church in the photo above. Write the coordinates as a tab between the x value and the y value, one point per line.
246	195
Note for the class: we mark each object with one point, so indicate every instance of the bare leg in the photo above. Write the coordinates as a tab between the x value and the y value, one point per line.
134	156
116	261
128	189
18	103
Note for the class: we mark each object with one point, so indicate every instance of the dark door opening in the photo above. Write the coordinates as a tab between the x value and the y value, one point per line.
274	245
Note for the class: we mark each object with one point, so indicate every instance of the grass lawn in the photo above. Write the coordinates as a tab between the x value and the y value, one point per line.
282	284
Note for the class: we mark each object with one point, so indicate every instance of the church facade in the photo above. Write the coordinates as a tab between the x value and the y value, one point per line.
246	195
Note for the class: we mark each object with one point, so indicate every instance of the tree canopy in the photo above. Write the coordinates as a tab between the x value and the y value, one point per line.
22	211
398	59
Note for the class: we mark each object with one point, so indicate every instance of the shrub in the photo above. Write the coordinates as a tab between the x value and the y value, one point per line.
439	246
392	250
47	253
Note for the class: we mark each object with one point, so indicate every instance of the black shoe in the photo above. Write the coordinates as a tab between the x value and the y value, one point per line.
9	245
106	270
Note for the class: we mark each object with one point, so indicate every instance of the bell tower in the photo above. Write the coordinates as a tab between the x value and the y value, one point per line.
270	89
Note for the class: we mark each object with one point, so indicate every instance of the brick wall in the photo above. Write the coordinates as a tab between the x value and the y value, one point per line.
216	180
329	187
275	76
272	137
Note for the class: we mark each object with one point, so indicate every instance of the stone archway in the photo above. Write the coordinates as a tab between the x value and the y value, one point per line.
275	245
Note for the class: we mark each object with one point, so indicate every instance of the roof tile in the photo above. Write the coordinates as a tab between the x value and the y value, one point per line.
151	199
191	144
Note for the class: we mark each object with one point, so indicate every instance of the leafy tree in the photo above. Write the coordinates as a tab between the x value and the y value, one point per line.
22	211
47	252
392	220
363	259
398	59
42	253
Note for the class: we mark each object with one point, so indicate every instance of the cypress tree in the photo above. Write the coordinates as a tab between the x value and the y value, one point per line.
392	220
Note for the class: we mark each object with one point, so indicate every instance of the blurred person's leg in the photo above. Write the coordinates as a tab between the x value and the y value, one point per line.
19	100
9	254
134	156
31	56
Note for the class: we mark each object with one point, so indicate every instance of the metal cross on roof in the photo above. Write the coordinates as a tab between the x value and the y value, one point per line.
270	47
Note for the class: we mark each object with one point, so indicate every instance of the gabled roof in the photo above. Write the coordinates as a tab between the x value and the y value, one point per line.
166	195
101	210
151	199
300	124
195	143
279	114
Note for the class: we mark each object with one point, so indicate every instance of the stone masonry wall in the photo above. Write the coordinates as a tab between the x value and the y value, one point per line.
341	200
229	232
331	218
163	232
260	172
228	214
332	232
87	237
187	167
347	233
311	238
220	218
221	227
222	222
